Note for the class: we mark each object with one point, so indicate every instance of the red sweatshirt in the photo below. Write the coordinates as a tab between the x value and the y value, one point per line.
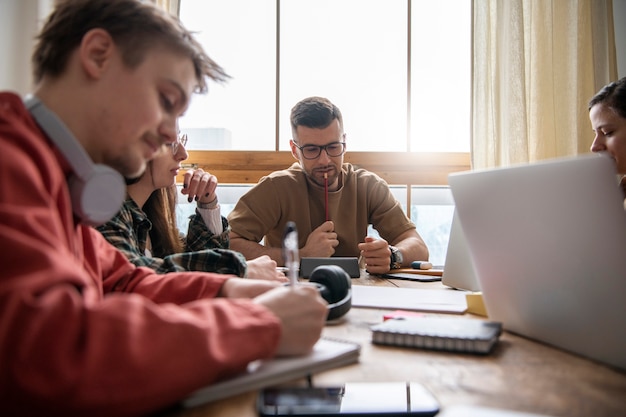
82	330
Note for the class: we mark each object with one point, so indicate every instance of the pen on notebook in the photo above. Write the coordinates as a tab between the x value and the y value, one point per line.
290	252
421	265
326	194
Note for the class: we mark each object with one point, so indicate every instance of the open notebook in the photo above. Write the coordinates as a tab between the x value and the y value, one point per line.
327	354
548	242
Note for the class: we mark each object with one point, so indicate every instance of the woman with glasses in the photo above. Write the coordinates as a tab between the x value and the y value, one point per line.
145	229
331	202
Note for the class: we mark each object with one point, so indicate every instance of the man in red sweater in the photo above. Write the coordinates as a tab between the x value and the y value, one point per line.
82	330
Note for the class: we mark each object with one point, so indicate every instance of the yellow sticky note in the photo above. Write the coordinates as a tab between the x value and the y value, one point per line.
475	304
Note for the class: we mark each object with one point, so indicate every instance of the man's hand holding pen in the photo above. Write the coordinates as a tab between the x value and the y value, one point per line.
376	254
302	312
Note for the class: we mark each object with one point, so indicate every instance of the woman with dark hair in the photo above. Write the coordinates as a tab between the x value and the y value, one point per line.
607	112
145	229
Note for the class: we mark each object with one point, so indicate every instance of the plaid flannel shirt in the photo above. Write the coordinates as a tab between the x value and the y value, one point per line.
128	232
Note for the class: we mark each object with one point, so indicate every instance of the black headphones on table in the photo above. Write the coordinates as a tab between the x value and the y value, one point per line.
97	191
335	287
332	281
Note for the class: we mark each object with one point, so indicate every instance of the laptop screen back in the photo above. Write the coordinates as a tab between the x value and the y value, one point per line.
458	271
548	241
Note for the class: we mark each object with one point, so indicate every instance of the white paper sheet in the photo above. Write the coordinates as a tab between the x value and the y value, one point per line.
432	300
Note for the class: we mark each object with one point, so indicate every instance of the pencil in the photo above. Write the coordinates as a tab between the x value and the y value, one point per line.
326	194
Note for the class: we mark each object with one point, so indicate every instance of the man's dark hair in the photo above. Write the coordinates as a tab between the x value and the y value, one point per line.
314	112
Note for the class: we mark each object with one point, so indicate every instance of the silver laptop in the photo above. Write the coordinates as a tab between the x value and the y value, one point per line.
548	241
458	271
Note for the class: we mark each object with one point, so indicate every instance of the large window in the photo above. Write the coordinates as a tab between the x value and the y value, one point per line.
399	70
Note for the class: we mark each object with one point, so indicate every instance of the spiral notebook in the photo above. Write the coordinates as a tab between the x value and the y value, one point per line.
439	333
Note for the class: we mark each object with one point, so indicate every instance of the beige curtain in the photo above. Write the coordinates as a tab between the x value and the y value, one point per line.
536	65
172	6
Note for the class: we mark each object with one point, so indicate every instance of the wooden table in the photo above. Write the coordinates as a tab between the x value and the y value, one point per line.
520	374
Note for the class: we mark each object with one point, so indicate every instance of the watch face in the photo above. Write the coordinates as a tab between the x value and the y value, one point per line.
396	258
399	257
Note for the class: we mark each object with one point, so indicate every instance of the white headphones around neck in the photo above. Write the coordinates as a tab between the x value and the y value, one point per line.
97	191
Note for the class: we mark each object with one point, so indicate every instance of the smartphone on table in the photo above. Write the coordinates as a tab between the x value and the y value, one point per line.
353	399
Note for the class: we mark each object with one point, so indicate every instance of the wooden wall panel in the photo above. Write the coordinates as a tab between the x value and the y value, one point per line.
405	168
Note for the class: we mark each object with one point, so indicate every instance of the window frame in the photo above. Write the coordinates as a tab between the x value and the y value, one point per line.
280	119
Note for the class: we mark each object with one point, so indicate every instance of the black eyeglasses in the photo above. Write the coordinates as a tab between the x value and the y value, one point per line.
181	140
314	151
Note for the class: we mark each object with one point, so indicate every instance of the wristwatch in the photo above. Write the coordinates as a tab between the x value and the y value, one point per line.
396	258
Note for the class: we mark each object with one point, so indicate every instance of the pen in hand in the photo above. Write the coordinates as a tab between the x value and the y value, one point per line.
290	252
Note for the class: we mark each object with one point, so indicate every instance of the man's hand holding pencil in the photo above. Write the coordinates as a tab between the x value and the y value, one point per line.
321	242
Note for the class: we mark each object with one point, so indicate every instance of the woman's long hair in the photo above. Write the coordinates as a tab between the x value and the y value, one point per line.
161	210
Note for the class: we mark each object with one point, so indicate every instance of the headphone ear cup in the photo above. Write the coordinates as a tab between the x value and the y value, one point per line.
99	197
96	191
335	287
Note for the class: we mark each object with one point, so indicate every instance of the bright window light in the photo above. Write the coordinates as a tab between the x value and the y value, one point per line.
355	52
